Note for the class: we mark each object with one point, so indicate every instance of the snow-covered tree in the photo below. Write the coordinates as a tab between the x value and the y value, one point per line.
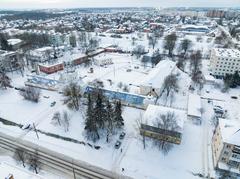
5	81
90	123
118	119
30	93
166	122
21	156
72	94
56	119
170	42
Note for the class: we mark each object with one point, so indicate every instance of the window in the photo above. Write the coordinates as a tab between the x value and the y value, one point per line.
226	153
233	164
236	156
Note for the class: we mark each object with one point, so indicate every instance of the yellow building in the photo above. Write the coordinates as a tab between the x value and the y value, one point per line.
156	123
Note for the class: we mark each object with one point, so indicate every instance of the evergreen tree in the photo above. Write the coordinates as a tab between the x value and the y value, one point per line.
99	111
236	79
4	43
90	123
118	119
109	119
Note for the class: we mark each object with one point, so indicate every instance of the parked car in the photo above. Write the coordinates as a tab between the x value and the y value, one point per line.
234	97
122	135
117	144
219	108
46	97
53	103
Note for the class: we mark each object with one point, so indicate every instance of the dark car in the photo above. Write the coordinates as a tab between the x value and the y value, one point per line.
122	135
117	144
53	104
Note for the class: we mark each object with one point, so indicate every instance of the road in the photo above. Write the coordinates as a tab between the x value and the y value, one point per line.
58	161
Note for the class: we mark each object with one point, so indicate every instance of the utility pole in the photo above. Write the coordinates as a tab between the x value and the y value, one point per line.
34	127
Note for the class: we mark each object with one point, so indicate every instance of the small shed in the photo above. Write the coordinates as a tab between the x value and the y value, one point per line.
194	108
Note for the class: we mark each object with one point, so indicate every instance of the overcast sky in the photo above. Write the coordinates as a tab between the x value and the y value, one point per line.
13	4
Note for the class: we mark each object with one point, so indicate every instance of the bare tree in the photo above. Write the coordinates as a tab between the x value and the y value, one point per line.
138	51
34	162
169	43
195	67
30	93
185	45
5	81
73	40
152	40
21	156
166	122
170	84
156	58
66	120
56	119
72	92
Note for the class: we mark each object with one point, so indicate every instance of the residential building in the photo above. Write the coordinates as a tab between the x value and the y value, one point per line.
193	29
11	60
15	43
152	84
216	13
224	61
226	146
150	126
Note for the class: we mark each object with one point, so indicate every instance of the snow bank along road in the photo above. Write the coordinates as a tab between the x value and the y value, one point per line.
58	161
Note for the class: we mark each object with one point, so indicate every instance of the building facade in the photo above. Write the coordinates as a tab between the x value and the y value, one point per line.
224	61
226	147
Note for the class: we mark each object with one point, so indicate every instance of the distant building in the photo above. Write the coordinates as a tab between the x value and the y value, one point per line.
11	60
193	29
194	108
39	55
153	82
216	13
150	128
226	146
15	43
224	61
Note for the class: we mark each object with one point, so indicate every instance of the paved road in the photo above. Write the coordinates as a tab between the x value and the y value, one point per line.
58	161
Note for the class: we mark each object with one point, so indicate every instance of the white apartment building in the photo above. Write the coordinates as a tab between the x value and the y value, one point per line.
224	61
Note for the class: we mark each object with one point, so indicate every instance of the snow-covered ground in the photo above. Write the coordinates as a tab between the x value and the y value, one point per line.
187	160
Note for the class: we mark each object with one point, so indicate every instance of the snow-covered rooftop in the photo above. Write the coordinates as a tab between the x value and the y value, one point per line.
157	76
230	131
194	105
14	41
153	112
226	53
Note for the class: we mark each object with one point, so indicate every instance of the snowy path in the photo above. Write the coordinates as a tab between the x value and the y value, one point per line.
206	139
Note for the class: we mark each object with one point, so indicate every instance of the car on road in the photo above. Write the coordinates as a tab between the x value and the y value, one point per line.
53	103
117	144
122	135
27	126
234	97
